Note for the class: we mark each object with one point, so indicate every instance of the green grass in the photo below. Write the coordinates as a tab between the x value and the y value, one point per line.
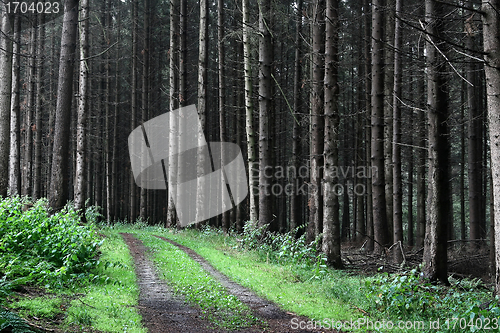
47	307
107	304
328	295
294	288
110	307
187	277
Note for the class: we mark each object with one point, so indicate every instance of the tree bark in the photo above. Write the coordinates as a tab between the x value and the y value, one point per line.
173	104
59	177
388	70
253	169
226	222
5	98
295	198
145	93
377	126
80	179
133	104
421	172
331	222
28	122
39	58
315	226
15	114
266	150
367	119
396	139
474	151
491	39
438	210
202	106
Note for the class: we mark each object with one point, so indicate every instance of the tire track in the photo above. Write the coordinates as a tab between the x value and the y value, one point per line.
162	311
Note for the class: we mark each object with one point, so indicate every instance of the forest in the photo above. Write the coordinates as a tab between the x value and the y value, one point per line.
369	130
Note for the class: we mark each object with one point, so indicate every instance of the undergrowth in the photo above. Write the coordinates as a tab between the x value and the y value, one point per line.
59	257
284	248
42	248
467	305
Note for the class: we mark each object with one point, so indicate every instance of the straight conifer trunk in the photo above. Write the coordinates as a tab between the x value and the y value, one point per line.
59	178
5	98
438	209
492	58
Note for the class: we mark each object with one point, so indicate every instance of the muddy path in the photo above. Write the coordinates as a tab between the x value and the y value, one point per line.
164	311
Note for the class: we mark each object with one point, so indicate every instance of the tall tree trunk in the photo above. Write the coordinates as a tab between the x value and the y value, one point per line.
40	54
253	169
463	225
474	151
5	98
396	148
368	107
59	177
317	121
491	39
52	106
295	198
202	108
359	230
81	181
15	113
411	177
222	98
331	222
182	52
108	188
377	126
28	123
266	151
421	175
133	103
114	158
435	245
145	93
388	69
173	104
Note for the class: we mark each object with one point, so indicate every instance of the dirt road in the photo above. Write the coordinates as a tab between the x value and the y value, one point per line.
165	312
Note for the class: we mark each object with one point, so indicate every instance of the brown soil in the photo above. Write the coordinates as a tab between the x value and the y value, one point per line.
163	311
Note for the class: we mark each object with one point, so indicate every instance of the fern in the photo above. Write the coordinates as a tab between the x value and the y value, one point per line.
10	320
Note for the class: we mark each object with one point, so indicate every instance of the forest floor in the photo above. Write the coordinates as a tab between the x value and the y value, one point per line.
158	282
464	260
163	311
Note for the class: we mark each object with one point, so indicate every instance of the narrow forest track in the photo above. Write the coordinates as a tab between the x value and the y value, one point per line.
164	311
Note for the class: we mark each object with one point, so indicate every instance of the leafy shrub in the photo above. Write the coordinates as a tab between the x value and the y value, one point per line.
11	322
407	296
50	249
282	247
